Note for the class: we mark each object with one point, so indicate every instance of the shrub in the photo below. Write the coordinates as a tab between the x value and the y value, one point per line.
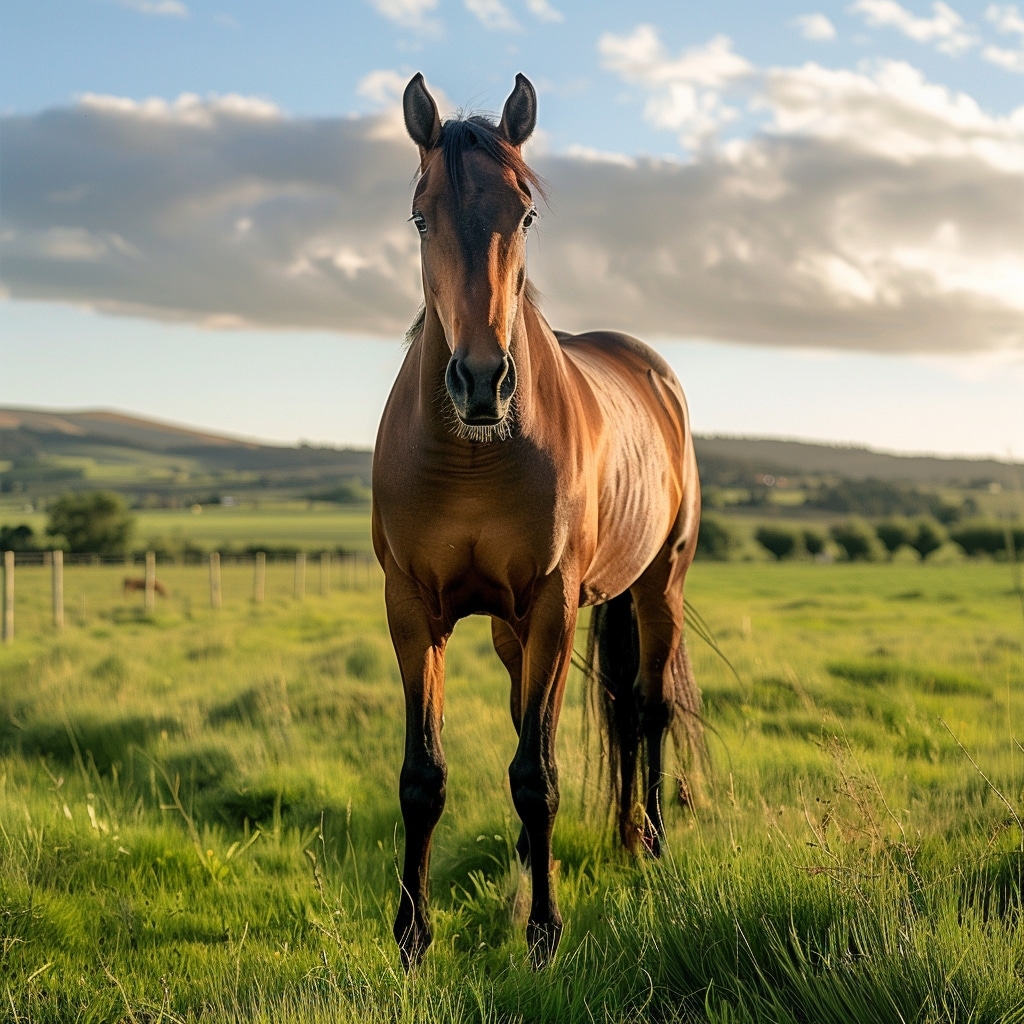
814	541
980	538
857	540
18	538
97	522
894	533
778	540
928	536
715	540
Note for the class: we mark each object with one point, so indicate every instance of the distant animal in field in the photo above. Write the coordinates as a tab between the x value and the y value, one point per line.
523	473
134	583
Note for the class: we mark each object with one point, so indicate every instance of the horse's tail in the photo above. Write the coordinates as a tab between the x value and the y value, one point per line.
613	662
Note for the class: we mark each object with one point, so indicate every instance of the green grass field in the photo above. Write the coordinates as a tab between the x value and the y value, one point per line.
199	816
309	525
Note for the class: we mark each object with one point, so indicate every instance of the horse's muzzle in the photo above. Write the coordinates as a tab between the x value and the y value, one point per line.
481	388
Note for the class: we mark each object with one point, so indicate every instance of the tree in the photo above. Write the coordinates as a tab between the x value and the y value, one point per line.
714	539
777	540
894	533
18	538
928	536
857	540
814	541
97	522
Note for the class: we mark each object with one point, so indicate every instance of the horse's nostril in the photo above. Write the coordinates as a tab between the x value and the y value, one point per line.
500	373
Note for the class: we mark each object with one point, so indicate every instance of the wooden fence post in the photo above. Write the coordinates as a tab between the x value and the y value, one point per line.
259	580
300	576
150	582
325	573
215	579
57	588
8	624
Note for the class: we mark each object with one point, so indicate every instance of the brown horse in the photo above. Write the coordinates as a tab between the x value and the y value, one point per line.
132	584
521	473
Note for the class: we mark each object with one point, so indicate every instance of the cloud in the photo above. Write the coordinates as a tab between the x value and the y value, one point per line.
1006	18
874	211
406	13
160	8
945	29
1008	21
815	27
543	10
684	92
493	15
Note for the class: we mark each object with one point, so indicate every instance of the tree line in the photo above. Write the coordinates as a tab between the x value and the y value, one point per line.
855	540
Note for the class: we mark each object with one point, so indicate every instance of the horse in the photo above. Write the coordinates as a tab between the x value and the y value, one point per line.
523	473
135	583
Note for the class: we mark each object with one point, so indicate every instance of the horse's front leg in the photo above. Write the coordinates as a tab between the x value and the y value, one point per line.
547	645
419	641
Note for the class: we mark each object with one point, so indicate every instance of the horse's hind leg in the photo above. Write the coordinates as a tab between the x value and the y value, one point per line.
510	651
664	680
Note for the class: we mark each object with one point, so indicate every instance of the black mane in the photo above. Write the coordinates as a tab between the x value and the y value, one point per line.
459	135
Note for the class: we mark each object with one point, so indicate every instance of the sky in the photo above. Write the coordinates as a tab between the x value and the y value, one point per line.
815	211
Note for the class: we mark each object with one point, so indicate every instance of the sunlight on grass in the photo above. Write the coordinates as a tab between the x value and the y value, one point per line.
199	816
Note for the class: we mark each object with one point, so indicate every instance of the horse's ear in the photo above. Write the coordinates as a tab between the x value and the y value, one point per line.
519	117
421	118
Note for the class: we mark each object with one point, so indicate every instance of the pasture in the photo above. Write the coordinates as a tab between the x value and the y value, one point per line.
199	818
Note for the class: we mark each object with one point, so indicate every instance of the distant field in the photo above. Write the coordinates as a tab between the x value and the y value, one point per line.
313	526
199	818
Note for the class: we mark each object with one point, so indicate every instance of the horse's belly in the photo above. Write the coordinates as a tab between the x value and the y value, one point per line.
638	506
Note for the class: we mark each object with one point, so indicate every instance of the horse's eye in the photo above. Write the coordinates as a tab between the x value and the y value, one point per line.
531	216
420	221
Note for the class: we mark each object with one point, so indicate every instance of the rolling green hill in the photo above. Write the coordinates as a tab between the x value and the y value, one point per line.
160	465
43	453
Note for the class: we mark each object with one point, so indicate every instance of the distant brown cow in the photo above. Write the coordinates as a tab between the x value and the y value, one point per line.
131	584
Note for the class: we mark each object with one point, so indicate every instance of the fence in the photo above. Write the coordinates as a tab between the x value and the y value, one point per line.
63	583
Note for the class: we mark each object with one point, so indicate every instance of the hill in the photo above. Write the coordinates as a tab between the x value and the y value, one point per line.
43	453
46	452
799	458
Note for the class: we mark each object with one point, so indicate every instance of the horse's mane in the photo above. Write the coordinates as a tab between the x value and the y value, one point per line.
463	133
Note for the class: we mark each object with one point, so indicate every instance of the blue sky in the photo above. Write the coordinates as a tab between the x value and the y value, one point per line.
814	210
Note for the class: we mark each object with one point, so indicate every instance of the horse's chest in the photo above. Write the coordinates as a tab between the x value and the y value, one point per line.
477	545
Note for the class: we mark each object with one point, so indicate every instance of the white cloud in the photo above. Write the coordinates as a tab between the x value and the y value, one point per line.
1007	20
492	14
407	13
543	10
383	87
1008	60
945	30
684	92
879	212
815	27
895	113
160	8
188	108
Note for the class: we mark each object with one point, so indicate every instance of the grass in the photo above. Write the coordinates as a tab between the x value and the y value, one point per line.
199	818
308	525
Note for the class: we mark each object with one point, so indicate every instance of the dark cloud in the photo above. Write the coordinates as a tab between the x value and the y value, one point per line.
225	212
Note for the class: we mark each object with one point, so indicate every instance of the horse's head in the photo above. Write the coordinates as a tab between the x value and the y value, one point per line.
473	207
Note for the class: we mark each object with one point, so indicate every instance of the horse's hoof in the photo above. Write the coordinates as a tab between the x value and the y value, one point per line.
543	941
412	944
651	843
